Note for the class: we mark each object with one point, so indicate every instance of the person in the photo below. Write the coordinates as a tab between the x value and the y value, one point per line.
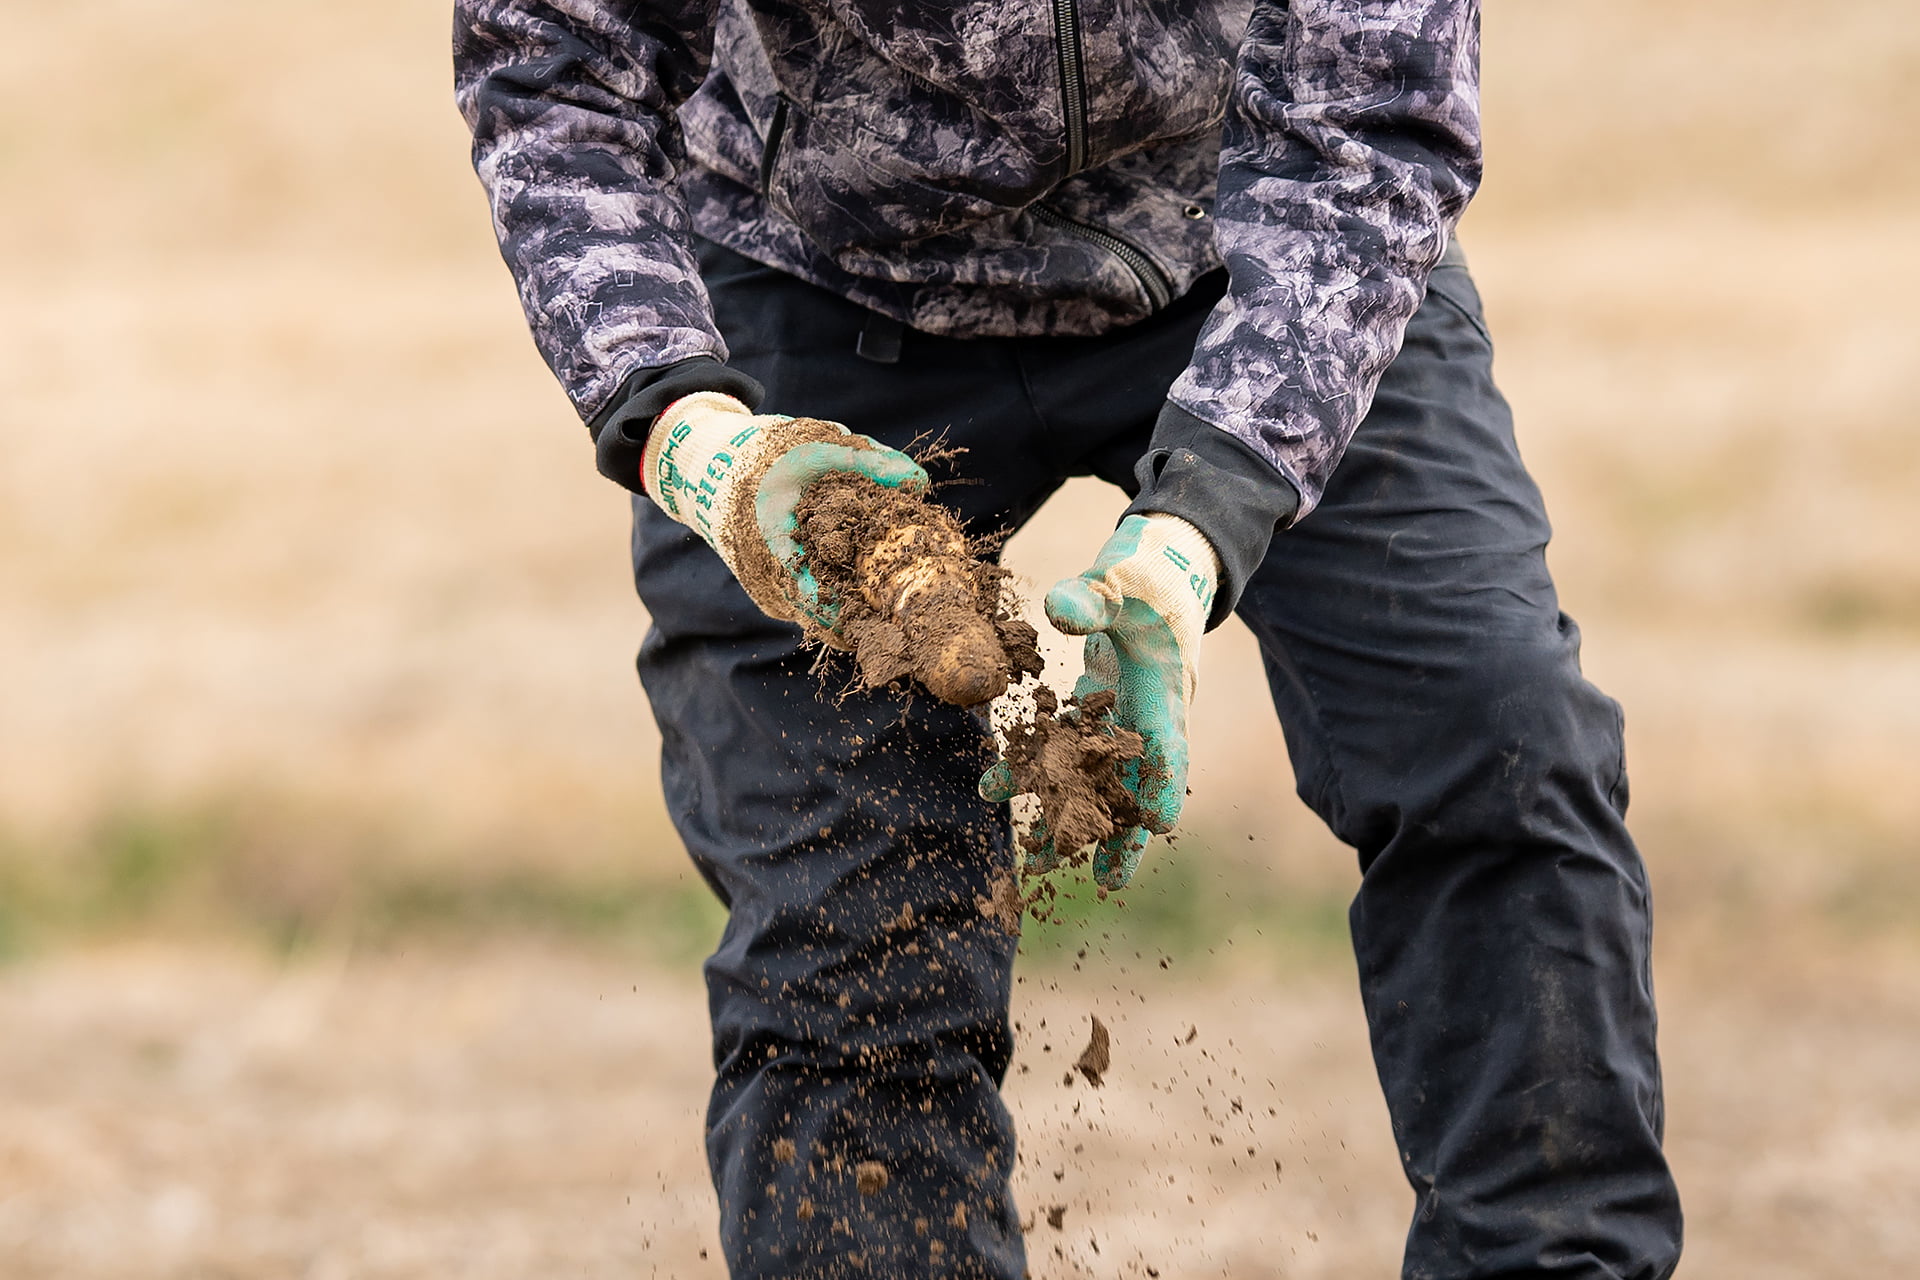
1205	252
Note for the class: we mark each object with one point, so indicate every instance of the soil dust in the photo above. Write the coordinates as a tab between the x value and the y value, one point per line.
870	1176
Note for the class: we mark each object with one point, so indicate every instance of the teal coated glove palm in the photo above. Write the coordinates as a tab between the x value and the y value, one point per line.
736	479
1142	606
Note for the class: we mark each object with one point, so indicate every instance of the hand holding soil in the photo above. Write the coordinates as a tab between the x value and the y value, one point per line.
914	599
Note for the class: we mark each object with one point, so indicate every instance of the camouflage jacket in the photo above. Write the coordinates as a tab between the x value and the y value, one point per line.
977	167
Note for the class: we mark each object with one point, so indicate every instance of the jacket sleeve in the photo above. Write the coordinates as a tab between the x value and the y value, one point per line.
1352	146
571	104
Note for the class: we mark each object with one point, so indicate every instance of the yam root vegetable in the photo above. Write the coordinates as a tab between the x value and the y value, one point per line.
913	597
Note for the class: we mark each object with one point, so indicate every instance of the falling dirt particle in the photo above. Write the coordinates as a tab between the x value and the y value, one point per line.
1056	1216
1097	1057
804	1210
870	1176
959	1218
1002	904
921	1226
1193	1033
783	1150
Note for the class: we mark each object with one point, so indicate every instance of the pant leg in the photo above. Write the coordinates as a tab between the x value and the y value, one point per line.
847	1028
1437	719
843	1026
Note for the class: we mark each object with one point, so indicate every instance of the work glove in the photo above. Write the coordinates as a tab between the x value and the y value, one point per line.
1142	607
736	479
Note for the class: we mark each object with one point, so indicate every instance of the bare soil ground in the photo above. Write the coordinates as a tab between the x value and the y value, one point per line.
518	1111
293	524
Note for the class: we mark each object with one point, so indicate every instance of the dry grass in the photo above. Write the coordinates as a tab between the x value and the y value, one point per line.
292	523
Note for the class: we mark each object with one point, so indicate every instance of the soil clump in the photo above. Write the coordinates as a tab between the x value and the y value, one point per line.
1071	760
1097	1058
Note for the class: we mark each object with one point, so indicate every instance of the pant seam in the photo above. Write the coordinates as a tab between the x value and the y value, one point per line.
1465	313
1314	704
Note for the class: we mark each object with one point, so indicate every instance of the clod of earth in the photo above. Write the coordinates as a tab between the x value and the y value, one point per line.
870	1176
1097	1057
913	597
1002	903
1071	760
1057	1216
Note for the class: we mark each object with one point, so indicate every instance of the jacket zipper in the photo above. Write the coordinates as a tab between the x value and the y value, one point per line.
1158	288
1073	82
770	153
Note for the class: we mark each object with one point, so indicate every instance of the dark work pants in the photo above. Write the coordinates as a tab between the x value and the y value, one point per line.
1430	691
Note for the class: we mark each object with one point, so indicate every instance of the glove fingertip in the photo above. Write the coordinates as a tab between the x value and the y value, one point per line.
890	467
1082	606
996	784
1041	856
1115	861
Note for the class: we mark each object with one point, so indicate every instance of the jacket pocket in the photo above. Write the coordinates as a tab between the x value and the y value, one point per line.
847	189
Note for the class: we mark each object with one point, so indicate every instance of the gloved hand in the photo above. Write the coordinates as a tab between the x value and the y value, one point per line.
1142	607
736	478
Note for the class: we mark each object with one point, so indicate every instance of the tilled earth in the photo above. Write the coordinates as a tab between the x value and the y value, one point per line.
521	1109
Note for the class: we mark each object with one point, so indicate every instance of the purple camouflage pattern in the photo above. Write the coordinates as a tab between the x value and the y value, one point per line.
895	153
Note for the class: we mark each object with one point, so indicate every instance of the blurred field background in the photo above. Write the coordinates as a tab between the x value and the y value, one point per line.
343	930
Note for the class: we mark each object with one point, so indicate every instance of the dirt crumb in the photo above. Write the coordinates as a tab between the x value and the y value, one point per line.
1003	903
1095	1060
783	1150
870	1176
1057	1216
804	1210
959	1219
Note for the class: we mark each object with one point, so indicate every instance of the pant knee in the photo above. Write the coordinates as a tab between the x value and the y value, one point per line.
1507	744
883	959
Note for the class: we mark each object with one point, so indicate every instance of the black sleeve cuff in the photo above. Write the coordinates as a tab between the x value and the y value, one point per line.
620	430
1219	485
